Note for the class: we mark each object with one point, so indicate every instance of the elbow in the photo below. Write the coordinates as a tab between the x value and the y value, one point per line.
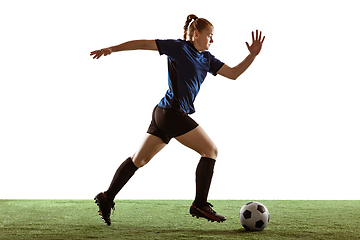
235	74
234	77
230	73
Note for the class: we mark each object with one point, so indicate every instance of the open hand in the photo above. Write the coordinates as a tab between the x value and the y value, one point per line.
256	45
98	53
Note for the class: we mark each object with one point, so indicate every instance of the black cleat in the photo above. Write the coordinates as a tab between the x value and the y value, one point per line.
105	207
206	212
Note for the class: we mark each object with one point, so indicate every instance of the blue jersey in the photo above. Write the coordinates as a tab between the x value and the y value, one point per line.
187	69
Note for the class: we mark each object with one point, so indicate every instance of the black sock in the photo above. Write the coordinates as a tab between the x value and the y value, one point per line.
204	173
121	177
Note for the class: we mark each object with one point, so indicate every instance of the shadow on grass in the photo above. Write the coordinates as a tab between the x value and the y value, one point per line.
180	232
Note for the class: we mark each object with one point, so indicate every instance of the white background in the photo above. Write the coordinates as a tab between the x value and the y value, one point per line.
288	128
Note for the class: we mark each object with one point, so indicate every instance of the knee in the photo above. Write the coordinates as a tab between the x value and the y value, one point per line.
211	152
140	161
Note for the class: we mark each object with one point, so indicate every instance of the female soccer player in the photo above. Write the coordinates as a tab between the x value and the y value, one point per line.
188	64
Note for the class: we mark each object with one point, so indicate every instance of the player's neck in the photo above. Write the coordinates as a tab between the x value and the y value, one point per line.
196	46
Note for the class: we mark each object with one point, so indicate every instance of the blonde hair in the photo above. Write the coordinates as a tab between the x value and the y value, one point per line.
199	24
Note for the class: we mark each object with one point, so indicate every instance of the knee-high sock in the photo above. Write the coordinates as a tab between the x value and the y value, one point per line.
204	173
121	177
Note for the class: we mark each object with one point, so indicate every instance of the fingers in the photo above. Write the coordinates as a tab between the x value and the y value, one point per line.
98	53
257	37
257	40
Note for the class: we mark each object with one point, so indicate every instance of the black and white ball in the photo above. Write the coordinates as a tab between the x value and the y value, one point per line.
254	216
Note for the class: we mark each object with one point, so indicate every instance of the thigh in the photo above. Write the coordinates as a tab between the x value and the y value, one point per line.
150	146
199	141
168	123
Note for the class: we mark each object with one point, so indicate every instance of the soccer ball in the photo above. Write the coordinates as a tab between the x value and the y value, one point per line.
254	216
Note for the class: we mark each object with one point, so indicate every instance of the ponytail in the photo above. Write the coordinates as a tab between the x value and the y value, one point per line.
187	23
198	24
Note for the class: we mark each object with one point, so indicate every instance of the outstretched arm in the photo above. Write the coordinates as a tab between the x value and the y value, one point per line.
255	48
131	45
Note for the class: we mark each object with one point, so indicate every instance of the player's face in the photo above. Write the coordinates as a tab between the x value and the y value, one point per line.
205	39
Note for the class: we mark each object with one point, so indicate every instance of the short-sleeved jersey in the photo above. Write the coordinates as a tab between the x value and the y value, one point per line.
187	69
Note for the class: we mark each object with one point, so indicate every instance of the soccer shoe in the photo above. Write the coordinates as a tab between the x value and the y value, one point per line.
206	212
105	207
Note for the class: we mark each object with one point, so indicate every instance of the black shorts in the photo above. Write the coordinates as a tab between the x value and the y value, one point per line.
169	123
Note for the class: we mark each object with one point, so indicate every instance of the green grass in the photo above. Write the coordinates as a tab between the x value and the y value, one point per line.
162	219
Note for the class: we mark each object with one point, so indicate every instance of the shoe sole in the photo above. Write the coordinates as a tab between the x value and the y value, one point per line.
206	216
